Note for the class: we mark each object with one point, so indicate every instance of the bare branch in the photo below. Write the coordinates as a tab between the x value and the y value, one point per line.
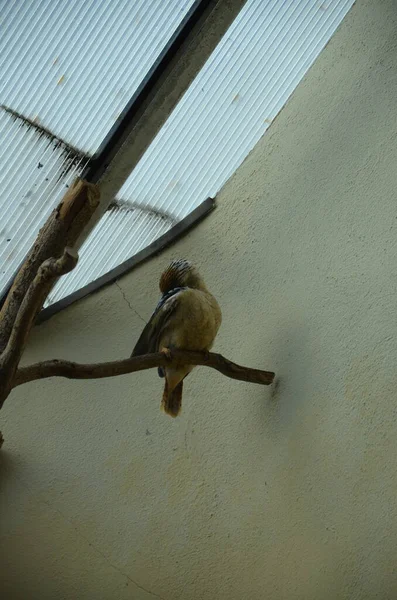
62	229
72	370
49	271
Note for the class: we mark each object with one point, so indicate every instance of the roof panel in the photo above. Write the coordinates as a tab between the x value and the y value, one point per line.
147	227
66	70
226	110
35	171
73	66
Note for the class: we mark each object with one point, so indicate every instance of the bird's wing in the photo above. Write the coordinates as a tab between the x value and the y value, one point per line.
149	338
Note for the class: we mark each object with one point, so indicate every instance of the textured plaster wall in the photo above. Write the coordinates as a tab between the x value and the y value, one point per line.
253	493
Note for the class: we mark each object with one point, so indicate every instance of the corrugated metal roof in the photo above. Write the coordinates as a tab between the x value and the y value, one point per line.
67	69
121	223
74	65
229	106
35	171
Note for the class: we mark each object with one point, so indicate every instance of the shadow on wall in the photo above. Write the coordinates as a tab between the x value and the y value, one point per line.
8	467
13	469
289	358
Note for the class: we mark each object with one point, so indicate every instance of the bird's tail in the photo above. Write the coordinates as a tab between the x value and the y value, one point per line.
172	400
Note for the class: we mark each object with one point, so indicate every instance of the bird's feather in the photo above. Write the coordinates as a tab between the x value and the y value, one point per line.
149	338
186	317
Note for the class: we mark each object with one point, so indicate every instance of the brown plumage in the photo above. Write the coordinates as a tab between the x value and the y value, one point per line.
186	318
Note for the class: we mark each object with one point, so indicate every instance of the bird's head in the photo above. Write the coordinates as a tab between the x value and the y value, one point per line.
180	273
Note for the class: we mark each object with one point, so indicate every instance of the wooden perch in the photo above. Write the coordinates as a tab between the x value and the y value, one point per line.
72	370
62	229
50	257
50	270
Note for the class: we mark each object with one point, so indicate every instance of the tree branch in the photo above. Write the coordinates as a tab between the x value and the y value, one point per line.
33	300
72	370
62	229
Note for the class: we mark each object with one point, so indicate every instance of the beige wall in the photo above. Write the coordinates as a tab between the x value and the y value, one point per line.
253	493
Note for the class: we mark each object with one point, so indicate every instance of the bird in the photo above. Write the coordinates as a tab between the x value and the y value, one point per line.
187	317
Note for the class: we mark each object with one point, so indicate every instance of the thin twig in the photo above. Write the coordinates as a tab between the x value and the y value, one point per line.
72	370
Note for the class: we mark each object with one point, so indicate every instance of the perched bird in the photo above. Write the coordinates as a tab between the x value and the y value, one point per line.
187	317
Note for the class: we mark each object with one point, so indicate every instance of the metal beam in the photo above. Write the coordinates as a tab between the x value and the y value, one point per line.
193	44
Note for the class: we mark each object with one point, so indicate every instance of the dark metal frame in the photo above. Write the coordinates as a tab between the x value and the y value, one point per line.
154	248
120	130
